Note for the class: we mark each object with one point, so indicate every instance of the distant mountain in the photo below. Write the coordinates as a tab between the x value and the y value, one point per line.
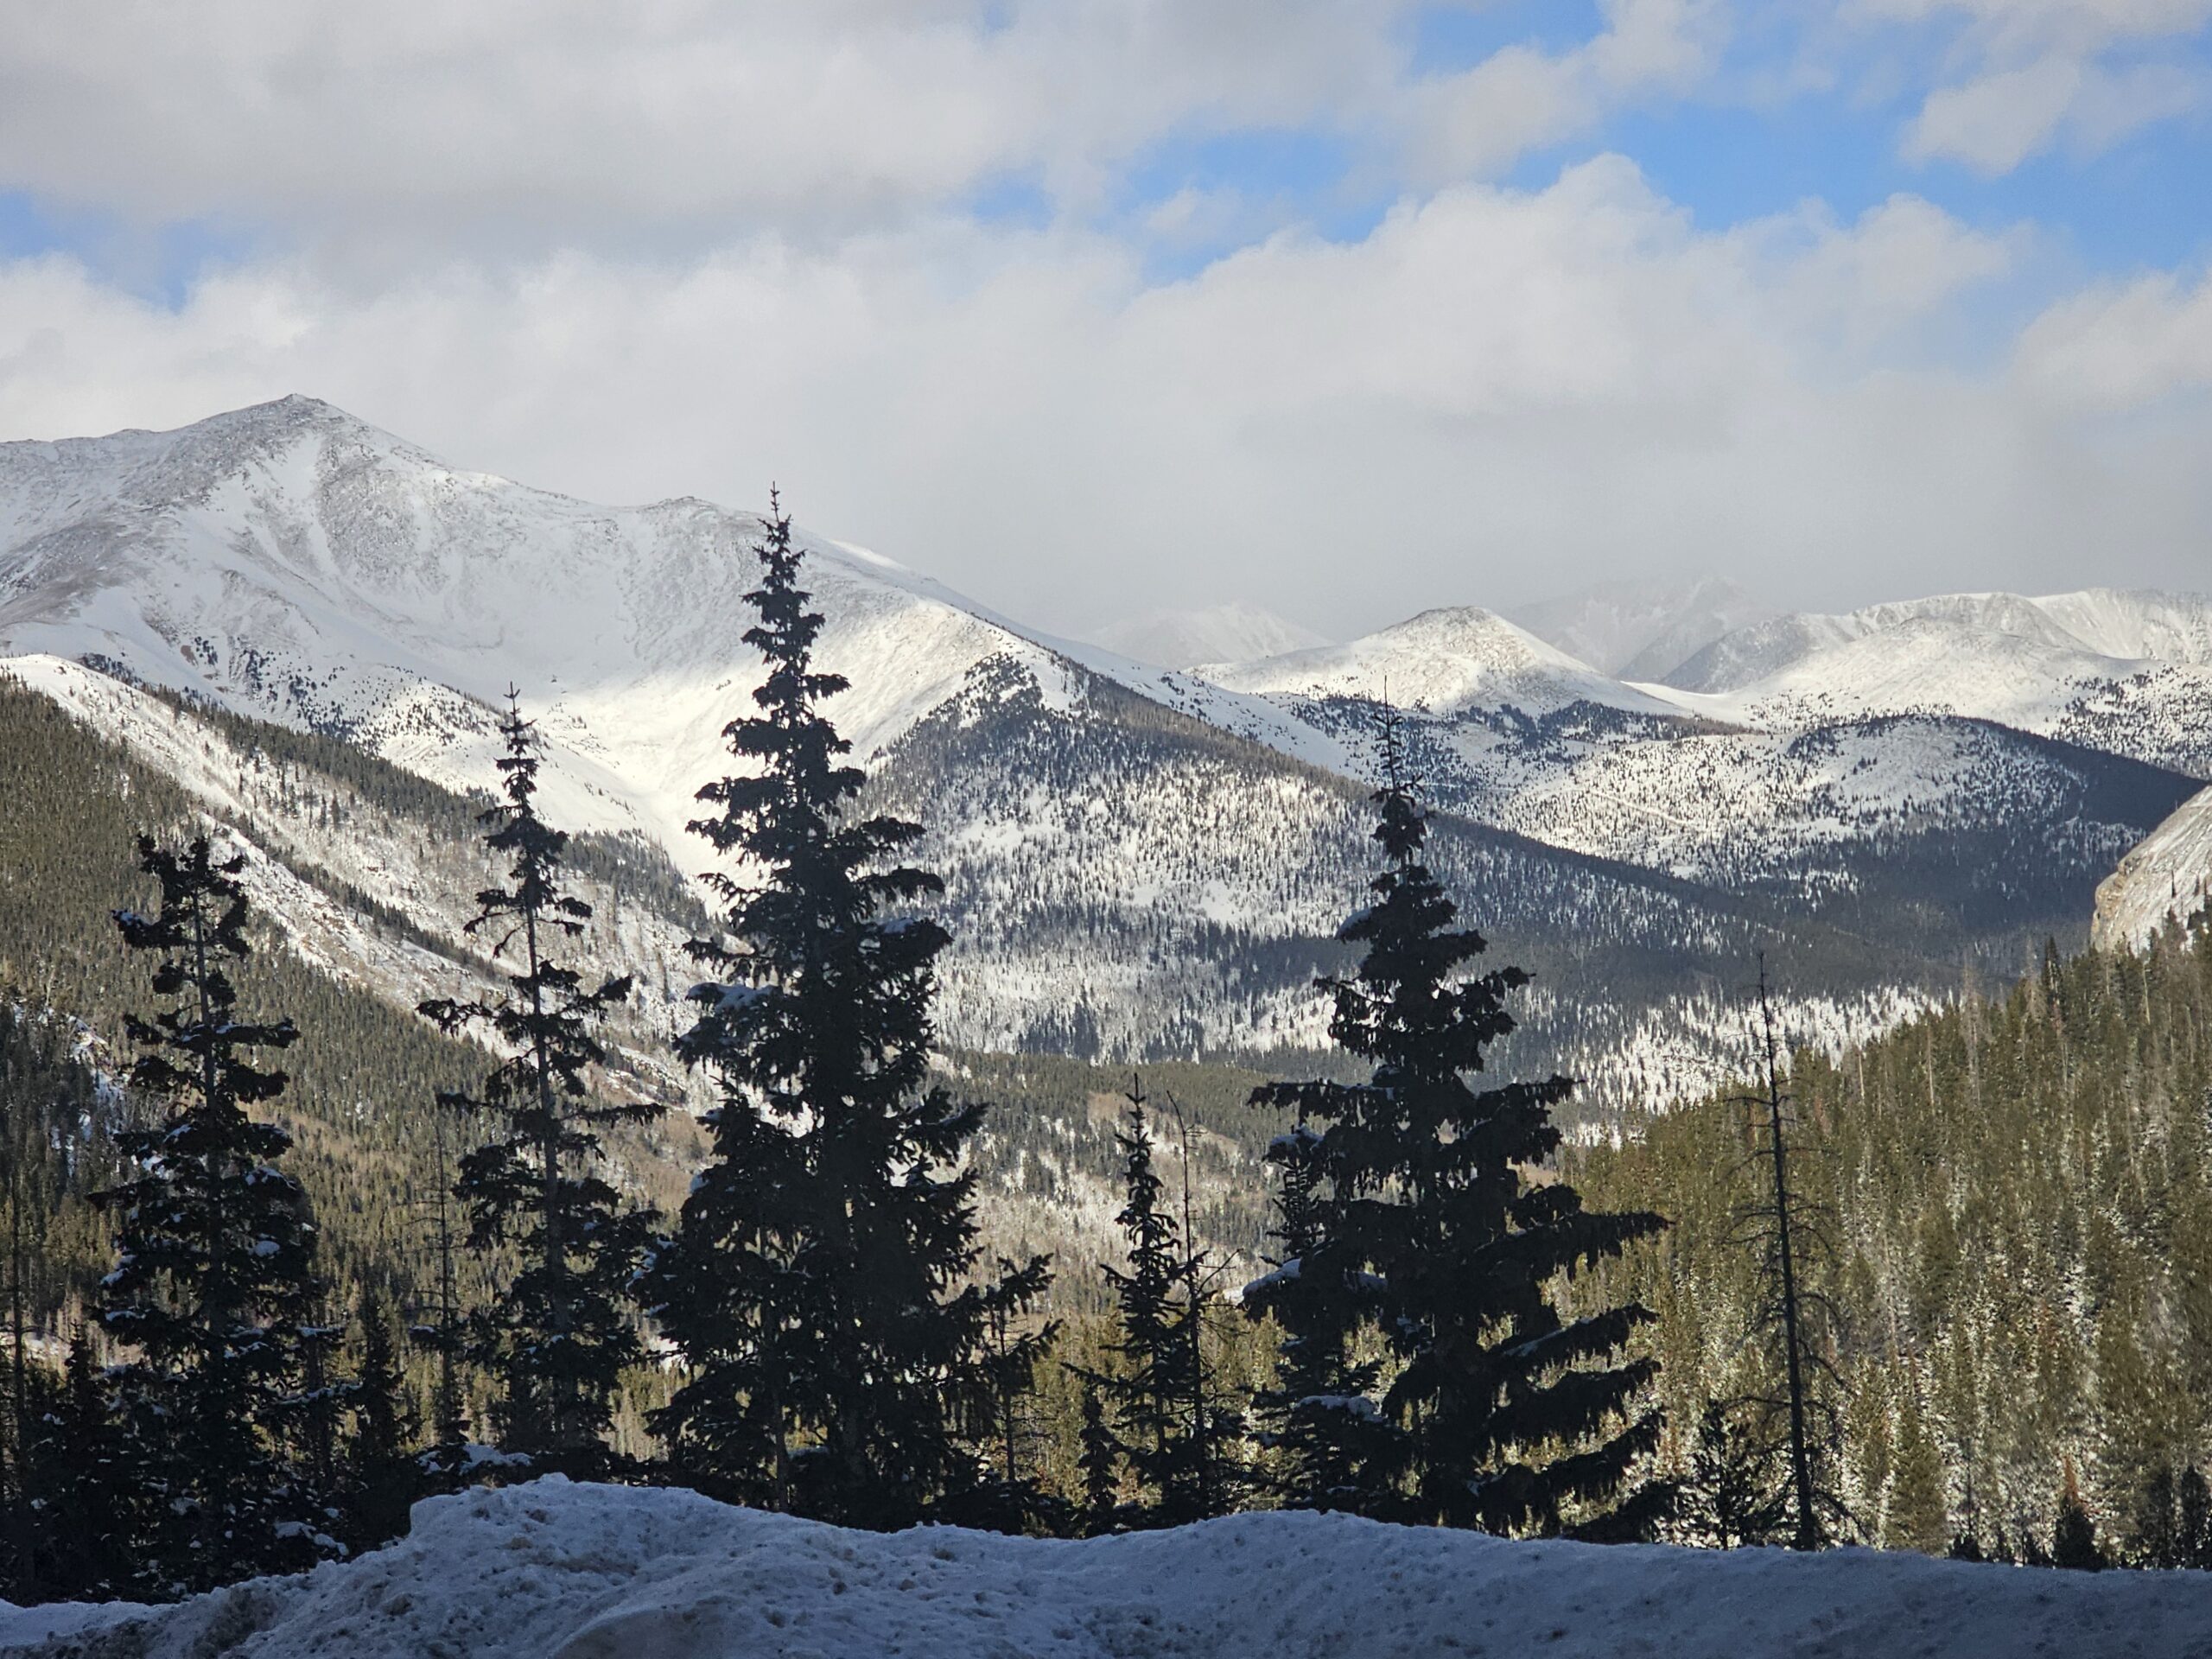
1125	878
2130	672
1440	661
1863	817
1643	630
1221	633
1142	860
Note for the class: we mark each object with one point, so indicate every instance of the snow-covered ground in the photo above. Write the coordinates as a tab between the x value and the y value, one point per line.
554	1571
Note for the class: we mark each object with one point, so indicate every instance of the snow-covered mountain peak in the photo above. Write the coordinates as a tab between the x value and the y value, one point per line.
1439	662
2122	628
2141	623
288	560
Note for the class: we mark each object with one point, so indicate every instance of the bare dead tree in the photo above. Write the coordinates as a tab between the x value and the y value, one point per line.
1788	1229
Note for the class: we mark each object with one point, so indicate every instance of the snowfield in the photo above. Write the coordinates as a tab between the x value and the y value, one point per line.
554	1571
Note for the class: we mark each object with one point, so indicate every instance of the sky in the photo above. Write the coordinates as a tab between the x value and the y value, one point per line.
1342	307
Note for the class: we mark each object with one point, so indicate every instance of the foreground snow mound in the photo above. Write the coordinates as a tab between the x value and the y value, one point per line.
612	1572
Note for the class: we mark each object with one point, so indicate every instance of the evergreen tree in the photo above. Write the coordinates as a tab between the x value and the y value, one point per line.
1177	1431
212	1280
383	1476
79	1508
2074	1536
557	1337
1512	1420
2156	1541
1918	1516
814	1282
1204	1476
1730	1498
1144	1384
1100	1465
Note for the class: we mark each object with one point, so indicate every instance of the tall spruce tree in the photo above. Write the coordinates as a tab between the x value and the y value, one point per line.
814	1284
557	1335
1177	1434
1144	1385
214	1274
1442	1242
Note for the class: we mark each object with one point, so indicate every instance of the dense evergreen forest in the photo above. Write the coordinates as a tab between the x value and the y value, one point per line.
2014	1200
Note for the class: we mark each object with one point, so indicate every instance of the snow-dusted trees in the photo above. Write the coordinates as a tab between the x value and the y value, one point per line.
1438	1242
814	1284
213	1278
558	1334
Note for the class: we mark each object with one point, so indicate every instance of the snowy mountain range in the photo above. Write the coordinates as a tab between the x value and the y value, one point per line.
1142	857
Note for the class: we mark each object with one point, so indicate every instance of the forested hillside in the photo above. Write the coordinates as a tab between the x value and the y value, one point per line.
363	1075
2016	1193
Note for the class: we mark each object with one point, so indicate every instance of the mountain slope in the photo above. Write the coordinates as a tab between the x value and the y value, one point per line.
290	562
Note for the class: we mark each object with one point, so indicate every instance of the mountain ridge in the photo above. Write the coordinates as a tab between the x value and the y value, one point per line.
291	564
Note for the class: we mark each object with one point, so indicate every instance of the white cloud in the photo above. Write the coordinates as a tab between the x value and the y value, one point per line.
1996	122
503	126
1496	392
507	118
2042	72
1478	121
2123	347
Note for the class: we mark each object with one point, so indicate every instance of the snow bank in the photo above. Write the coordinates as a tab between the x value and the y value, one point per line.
609	1572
